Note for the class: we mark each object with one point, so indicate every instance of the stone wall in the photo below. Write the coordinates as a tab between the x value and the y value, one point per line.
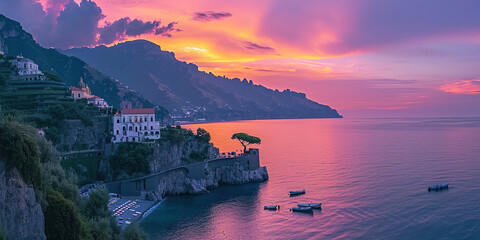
21	216
92	137
194	178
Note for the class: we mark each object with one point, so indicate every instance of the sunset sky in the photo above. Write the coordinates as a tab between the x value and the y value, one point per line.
362	57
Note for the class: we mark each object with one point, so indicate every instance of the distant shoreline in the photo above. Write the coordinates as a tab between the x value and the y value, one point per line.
240	120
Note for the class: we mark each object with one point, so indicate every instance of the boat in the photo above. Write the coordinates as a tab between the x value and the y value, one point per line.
295	193
438	187
272	207
301	209
312	205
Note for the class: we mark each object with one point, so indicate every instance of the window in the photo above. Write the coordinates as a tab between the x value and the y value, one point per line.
123	119
136	129
133	139
118	120
145	128
124	128
79	95
117	132
151	119
151	127
156	132
151	133
130	128
145	119
146	133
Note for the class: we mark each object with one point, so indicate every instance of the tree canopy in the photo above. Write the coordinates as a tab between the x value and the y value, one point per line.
246	139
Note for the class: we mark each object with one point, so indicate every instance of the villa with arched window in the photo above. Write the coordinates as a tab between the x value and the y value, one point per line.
131	125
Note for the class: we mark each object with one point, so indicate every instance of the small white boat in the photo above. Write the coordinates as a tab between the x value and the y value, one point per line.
295	193
438	187
301	209
272	207
312	205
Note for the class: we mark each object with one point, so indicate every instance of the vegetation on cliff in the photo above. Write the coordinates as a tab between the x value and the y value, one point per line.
131	159
246	139
67	216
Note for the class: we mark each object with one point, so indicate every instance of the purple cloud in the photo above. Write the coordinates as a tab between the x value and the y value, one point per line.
166	30
64	23
209	16
253	46
343	26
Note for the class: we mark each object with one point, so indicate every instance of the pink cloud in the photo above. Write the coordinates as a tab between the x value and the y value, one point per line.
462	87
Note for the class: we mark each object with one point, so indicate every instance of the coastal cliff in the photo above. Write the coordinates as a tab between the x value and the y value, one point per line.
176	183
167	154
21	216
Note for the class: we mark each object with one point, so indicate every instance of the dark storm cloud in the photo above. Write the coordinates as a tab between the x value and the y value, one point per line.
209	16
64	23
124	27
167	30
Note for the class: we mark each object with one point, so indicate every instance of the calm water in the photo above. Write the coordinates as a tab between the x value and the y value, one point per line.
370	174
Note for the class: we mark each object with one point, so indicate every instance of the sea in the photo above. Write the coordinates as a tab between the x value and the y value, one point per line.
371	175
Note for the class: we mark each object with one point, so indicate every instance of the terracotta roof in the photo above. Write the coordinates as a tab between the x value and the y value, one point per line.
138	111
77	89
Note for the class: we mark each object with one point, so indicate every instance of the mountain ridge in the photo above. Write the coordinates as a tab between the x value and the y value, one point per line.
14	40
180	86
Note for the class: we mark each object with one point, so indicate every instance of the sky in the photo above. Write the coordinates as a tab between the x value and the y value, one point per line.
365	58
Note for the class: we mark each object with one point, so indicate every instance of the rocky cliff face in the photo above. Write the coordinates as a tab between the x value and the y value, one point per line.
167	155
90	137
21	216
176	183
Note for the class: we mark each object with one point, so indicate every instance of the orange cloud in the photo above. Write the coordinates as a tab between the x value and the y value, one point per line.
462	87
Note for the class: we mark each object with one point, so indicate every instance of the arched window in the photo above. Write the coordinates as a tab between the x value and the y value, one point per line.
146	133
145	128
145	119
151	119
124	128
117	132
151	132
130	128
118	120
136	129
156	133
151	127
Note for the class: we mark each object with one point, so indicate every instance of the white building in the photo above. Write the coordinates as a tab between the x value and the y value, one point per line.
26	66
83	91
135	125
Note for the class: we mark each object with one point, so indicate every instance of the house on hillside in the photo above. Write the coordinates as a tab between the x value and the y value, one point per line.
27	69
135	125
83	91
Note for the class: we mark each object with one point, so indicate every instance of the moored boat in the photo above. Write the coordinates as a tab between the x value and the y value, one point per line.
272	207
295	193
438	187
302	209
312	205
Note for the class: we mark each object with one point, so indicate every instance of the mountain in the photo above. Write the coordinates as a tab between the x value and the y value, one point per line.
15	41
186	91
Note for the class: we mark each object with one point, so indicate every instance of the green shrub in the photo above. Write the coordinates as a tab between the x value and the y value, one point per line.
19	145
134	232
3	79
62	219
203	135
131	158
96	206
52	77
